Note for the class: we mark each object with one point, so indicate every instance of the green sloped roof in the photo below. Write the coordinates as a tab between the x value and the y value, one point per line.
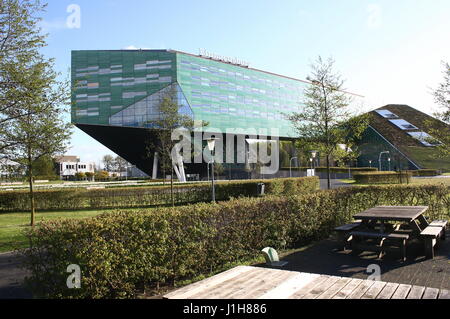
425	156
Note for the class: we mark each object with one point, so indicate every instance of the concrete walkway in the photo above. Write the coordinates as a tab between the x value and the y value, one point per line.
335	183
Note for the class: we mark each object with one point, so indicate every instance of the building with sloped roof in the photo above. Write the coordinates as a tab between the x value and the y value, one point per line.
402	131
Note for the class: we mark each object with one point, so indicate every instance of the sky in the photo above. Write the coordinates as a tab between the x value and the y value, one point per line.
388	51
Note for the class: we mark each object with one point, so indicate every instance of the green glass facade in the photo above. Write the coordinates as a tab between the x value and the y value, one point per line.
122	88
372	144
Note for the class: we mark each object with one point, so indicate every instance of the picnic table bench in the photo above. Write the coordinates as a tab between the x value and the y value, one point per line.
377	227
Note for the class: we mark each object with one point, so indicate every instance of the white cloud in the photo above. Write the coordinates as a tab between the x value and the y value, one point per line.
132	47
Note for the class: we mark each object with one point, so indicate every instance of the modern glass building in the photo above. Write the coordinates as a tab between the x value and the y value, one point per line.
116	93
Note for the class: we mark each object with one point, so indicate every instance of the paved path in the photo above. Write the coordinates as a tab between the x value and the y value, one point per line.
11	277
335	183
327	257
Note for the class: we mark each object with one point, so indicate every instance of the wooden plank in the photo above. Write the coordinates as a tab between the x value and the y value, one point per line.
308	287
207	283
431	231
388	290
321	288
334	289
444	294
374	290
401	292
361	289
348	289
289	287
232	285
438	223
264	286
416	292
430	293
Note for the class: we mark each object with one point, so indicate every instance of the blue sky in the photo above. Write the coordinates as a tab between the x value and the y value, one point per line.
388	51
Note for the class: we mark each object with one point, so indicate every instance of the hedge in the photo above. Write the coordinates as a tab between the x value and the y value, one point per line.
425	172
73	199
121	253
382	177
334	169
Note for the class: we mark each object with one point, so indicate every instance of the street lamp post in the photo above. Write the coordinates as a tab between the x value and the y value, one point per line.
370	163
290	166
311	161
379	158
211	145
389	162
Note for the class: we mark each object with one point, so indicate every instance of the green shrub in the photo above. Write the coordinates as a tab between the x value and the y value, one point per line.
382	177
334	169
425	172
123	197
120	253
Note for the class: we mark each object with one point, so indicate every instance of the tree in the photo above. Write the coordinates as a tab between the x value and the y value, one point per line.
325	110
120	164
89	175
170	118
20	41
79	176
108	163
32	100
44	166
442	94
442	98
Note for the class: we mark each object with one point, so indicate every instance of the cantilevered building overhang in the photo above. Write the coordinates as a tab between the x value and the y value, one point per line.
116	94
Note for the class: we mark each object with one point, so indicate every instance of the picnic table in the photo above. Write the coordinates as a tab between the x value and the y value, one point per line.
384	228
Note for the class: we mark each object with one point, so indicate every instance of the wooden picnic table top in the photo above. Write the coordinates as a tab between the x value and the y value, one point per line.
394	213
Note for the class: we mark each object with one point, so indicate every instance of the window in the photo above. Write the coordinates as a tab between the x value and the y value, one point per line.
403	125
386	114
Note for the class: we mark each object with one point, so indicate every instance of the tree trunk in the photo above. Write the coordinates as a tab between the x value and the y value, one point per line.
328	172
171	187
30	181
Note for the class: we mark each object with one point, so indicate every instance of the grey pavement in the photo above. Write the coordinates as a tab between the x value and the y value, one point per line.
335	183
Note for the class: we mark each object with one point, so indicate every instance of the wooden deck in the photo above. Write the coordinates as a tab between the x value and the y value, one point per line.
247	282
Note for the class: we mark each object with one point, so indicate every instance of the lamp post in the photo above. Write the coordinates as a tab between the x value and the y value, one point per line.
379	158
370	163
389	161
313	154
290	166
211	145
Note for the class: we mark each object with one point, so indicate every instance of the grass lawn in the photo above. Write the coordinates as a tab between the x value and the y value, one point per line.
414	181
12	225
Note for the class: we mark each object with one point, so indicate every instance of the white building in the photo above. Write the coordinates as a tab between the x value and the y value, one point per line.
68	165
9	168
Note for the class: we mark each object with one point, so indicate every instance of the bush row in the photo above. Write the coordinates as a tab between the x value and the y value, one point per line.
120	253
335	169
382	177
425	172
149	196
